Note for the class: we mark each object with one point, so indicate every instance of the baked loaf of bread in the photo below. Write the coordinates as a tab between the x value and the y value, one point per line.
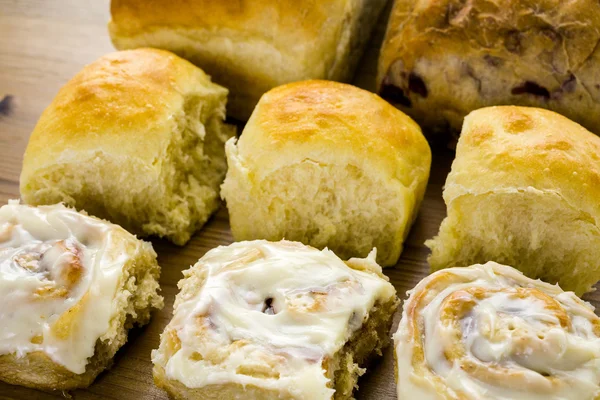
71	286
524	191
252	46
489	332
521	52
327	164
263	320
136	137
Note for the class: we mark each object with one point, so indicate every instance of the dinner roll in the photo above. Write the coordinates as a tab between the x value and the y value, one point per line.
442	59
524	191
136	137
268	321
71	286
329	165
252	46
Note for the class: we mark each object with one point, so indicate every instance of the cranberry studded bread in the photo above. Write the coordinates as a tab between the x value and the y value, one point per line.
442	59
489	332
329	165
523	191
252	46
71	286
264	320
136	137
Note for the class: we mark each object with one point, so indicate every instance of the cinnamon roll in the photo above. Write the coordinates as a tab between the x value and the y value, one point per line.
265	320
489	332
70	287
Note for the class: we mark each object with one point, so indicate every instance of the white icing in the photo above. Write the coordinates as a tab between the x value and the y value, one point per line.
318	302
39	248
501	330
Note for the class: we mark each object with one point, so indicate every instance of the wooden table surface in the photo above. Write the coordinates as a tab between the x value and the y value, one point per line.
43	43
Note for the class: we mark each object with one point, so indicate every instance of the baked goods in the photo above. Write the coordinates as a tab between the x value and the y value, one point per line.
251	46
263	320
523	191
327	164
489	332
520	52
71	286
136	137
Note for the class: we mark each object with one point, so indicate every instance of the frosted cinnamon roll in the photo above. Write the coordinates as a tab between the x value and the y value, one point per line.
264	320
489	332
70	288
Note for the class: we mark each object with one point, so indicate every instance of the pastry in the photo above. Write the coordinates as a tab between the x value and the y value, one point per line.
523	191
520	52
264	320
489	332
329	165
136	137
252	46
71	286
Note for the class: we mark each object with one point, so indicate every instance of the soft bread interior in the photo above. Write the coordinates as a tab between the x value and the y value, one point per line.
534	231
173	204
348	364
341	207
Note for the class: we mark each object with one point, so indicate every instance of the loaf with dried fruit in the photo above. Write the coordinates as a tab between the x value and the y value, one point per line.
442	59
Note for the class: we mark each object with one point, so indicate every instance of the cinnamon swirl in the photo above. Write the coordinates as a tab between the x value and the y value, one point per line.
488	331
70	287
264	320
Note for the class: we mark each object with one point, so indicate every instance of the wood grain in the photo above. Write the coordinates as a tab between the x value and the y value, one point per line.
43	43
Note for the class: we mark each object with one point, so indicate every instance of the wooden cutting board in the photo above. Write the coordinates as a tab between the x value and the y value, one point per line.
43	43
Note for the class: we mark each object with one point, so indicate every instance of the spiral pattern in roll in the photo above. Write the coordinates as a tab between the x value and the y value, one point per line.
488	331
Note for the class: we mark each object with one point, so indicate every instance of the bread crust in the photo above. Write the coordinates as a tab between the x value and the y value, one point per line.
250	46
508	148
521	52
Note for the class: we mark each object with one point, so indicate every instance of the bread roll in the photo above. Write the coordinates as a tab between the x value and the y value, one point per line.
136	137
442	59
262	320
329	165
252	46
489	332
524	191
71	286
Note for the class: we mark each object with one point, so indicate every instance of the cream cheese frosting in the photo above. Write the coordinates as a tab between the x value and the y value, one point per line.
488	331
268	314
59	271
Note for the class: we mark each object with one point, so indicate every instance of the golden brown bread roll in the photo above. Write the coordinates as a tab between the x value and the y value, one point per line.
489	332
330	165
263	320
251	46
136	137
442	59
71	286
524	191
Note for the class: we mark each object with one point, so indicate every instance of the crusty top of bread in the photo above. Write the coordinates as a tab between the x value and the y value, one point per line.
130	17
126	103
508	148
511	27
336	123
304	32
